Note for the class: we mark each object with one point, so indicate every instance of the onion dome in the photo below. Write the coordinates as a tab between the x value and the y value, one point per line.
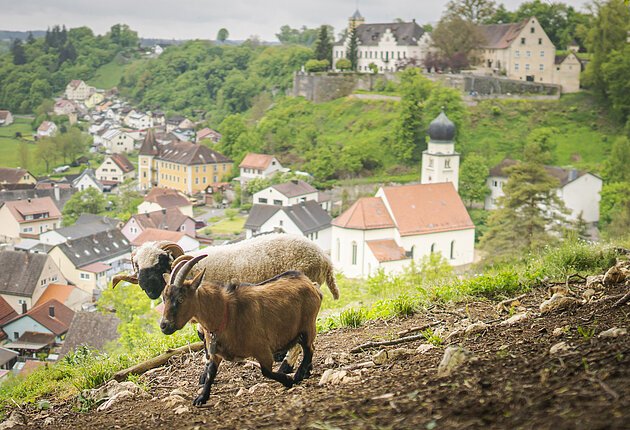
442	129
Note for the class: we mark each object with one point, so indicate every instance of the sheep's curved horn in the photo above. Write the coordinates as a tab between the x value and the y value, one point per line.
129	278
178	260
181	276
174	249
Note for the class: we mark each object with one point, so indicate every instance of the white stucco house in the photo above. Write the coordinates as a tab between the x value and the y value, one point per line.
115	168
306	219
117	141
87	179
78	90
138	120
389	46
291	193
579	190
399	225
258	166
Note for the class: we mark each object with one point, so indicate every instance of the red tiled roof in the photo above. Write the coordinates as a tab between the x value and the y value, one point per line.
386	250
155	235
365	214
59	323
20	208
500	36
55	291
167	219
7	313
256	161
11	176
166	198
44	126
75	83
97	267
427	208
122	162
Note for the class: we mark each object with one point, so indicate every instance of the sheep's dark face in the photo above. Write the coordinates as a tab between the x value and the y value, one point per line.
151	279
178	307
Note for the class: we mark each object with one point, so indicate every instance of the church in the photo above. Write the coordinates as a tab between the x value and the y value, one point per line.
405	223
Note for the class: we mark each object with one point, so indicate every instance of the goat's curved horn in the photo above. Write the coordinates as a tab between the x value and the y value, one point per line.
174	249
181	276
178	264
129	278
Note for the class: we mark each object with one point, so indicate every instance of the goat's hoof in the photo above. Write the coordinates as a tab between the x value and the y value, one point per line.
200	401
285	368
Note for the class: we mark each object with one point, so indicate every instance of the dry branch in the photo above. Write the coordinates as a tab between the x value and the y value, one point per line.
386	343
140	368
623	300
418	328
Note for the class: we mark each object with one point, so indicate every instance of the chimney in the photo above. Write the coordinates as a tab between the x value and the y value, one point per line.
28	200
51	311
164	211
24	310
295	181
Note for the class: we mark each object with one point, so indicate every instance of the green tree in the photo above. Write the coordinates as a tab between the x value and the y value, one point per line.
472	179
409	141
544	137
46	152
302	36
456	38
616	78
343	64
17	50
529	213
607	33
316	65
353	49
24	154
257	184
89	201
614	212
231	129
450	101
500	16
123	36
223	35
324	44
476	11
617	166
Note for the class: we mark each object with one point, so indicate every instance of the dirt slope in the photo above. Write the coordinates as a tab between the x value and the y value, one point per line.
512	381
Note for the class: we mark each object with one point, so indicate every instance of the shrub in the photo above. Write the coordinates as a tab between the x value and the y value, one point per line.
373	67
344	64
316	65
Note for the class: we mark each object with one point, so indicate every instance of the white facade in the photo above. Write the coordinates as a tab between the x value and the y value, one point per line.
118	142
78	90
146	207
271	196
110	171
86	181
248	173
440	163
138	120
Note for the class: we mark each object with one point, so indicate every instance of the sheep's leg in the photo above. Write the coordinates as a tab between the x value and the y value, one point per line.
290	359
304	371
210	373
266	364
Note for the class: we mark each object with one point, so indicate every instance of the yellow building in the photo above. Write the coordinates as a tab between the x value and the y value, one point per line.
184	166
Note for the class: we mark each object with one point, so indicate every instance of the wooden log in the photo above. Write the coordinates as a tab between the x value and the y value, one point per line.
154	362
369	345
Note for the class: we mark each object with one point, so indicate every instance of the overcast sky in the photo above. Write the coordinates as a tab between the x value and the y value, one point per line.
189	19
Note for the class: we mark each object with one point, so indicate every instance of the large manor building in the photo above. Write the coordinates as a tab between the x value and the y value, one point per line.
389	46
184	166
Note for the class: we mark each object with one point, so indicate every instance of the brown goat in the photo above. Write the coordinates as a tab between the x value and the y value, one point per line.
245	320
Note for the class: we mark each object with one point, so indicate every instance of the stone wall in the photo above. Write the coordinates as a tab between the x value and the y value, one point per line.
493	86
323	87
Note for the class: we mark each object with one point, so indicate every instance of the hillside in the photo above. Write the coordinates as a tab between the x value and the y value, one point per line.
539	370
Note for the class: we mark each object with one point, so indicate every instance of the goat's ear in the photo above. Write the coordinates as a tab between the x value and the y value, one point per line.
167	278
196	281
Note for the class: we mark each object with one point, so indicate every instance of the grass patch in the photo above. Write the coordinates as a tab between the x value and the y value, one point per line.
108	75
227	226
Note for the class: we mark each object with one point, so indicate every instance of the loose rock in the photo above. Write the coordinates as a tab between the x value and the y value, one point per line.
616	274
15	419
594	281
424	348
336	377
559	331
476	327
588	294
178	392
385	355
515	319
116	398
559	348
557	302
180	410
454	356
613	332
172	400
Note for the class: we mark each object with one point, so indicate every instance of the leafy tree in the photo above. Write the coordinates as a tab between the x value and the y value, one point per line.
373	67
476	11
324	43
316	65
123	36
500	16
450	101
616	167
456	37
46	152
353	49
223	35
608	33
17	50
24	154
409	142
30	39
231	129
70	145
257	184
303	36
90	201
472	179
343	64
615	76
614	212
544	138
529	212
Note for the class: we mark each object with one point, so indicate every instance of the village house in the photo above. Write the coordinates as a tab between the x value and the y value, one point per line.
291	193
164	198
173	122
306	219
87	179
171	219
46	129
91	329
115	168
208	134
183	166
523	51
117	141
389	46
60	193
258	166
187	243
579	190
94	99
71	296
51	318
28	218
5	118
64	107
89	262
86	225
16	176
78	90
138	120
26	277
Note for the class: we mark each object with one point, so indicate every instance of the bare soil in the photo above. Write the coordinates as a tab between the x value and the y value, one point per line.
512	382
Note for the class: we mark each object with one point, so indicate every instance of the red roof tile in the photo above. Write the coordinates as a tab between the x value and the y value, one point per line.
500	36
256	161
153	234
59	323
55	291
20	208
166	198
7	313
386	250
122	162
427	208
365	214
